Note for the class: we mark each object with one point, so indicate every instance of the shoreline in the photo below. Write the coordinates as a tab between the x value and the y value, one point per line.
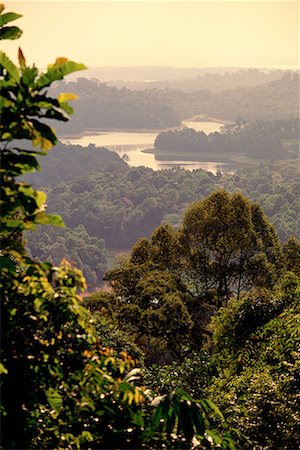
191	156
99	131
227	158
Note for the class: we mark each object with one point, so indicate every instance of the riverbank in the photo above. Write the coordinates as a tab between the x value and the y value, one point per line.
227	158
102	131
189	156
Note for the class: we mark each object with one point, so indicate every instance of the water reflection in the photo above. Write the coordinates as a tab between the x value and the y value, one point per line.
132	144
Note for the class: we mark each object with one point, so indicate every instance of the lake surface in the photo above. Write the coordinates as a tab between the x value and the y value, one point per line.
131	144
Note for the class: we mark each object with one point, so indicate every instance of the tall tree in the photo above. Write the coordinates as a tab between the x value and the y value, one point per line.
228	247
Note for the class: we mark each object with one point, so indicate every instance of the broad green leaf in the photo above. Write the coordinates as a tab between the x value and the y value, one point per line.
40	198
209	406
8	17
37	304
13	223
184	395
57	72
28	191
215	436
39	141
66	107
137	419
10	33
54	398
55	220
87	436
197	419
28	75
9	66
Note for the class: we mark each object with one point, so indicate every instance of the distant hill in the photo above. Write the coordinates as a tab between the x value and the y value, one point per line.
100	106
215	81
65	163
278	99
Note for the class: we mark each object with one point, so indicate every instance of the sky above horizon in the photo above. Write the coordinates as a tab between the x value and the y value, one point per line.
159	33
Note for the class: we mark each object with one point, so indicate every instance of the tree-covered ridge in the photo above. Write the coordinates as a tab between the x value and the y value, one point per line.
258	140
124	204
101	106
189	80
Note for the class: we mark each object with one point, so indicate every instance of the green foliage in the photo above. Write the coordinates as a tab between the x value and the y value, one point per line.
152	308
8	32
192	375
260	140
258	380
113	203
162	108
171	284
86	252
229	246
182	422
61	388
291	251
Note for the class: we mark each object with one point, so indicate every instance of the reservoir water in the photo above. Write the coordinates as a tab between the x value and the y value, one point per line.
132	145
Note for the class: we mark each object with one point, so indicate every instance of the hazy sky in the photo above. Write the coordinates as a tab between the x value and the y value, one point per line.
165	33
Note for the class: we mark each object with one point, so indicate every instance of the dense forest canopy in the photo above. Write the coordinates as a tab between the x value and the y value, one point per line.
101	106
277	139
120	204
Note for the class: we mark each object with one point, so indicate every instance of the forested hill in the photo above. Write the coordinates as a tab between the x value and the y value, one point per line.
121	204
100	106
278	99
277	139
65	163
214	79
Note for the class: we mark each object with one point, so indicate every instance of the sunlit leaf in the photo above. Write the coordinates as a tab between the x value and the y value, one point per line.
3	369
40	198
8	17
9	66
57	72
66	96
54	398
